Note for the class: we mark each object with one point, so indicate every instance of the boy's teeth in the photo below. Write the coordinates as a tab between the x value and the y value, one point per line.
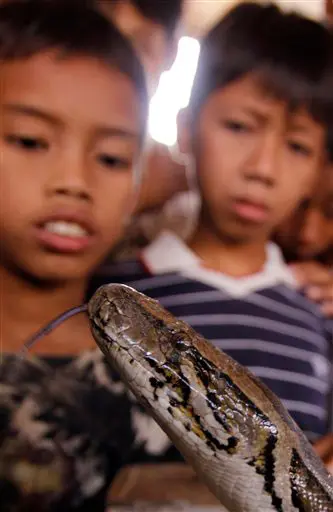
64	228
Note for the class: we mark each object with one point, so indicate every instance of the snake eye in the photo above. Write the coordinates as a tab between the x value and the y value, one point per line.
181	346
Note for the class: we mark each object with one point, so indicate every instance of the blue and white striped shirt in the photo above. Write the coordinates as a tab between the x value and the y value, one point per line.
261	321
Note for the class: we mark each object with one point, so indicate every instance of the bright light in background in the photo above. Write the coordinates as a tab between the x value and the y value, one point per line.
173	92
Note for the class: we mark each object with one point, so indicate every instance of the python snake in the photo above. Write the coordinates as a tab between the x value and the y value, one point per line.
231	428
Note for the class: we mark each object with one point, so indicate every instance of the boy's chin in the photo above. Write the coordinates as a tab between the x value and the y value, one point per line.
56	275
238	233
239	236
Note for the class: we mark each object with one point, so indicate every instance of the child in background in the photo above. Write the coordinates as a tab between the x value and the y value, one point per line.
308	234
257	111
306	239
152	28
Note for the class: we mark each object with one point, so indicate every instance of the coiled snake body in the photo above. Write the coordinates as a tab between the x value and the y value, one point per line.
231	428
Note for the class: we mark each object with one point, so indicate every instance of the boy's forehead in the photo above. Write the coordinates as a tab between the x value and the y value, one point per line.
256	99
79	87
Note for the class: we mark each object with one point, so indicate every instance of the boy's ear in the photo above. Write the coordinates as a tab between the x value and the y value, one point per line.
184	133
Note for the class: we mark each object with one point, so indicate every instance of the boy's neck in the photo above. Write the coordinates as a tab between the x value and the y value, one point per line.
234	260
26	308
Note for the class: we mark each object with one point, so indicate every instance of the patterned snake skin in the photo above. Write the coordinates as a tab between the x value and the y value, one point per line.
231	428
233	431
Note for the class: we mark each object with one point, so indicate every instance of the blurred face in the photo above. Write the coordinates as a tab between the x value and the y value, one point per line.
149	38
255	161
69	138
308	233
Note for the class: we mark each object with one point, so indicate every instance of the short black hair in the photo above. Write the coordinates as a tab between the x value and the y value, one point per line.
31	27
166	13
292	56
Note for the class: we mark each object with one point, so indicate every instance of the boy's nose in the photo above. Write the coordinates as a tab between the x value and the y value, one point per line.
262	162
73	190
70	178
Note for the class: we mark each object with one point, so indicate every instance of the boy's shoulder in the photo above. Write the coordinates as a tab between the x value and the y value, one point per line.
137	274
117	272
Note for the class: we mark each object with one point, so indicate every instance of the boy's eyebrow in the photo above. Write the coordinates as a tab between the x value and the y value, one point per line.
113	131
254	113
298	127
295	124
27	110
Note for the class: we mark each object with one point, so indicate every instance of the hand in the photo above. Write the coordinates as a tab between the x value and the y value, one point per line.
324	448
317	281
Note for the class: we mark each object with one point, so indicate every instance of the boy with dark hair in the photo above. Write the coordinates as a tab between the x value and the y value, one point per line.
306	241
66	157
308	233
256	133
73	110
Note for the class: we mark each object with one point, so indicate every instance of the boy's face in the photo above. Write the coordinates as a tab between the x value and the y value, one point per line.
255	161
308	233
69	136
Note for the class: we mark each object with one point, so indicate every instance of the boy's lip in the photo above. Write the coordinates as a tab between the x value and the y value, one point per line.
80	218
66	244
250	209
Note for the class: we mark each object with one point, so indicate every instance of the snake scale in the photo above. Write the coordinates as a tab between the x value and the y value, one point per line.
231	428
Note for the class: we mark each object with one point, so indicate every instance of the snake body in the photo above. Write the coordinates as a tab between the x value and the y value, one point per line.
231	428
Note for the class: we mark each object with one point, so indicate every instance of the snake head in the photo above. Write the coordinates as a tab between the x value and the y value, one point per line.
122	316
136	334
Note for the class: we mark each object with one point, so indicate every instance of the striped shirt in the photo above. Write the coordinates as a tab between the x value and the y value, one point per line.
262	321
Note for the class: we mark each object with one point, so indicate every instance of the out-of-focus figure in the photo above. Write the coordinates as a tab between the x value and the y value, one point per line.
308	233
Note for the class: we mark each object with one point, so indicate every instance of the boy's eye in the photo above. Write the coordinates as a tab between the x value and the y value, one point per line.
113	161
237	126
300	148
26	142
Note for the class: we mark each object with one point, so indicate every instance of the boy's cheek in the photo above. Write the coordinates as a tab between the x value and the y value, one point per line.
19	198
293	192
285	211
115	213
